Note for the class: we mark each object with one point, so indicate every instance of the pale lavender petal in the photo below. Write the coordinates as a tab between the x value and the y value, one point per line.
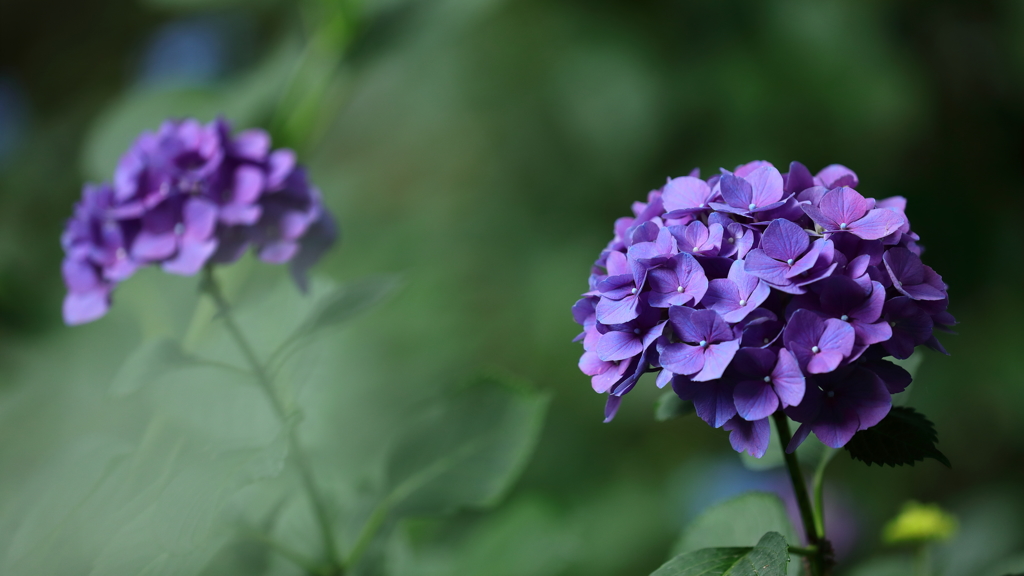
716	360
837	175
878	223
249	184
843	205
766	186
619	346
79	276
686	193
617	311
784	240
788	380
200	218
664	377
82	307
872	333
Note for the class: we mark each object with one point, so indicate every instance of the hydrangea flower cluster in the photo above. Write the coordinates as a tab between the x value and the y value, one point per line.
755	291
188	195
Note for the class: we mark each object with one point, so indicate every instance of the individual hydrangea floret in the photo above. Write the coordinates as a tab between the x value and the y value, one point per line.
754	292
185	196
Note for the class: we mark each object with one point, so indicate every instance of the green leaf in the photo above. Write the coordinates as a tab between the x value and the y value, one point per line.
670	406
346	302
740	521
903	437
467	450
152	359
770	557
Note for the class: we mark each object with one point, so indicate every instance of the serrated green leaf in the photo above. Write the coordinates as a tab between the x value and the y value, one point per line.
740	521
151	360
769	557
904	436
670	406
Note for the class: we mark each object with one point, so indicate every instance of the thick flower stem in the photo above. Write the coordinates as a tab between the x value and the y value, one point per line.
288	421
819	561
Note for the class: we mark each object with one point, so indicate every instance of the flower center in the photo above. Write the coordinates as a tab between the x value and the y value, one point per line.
830	393
790	261
179	228
752	206
844	318
768	379
703	343
743	302
636	330
815	349
679	289
842	226
632	291
730	240
766	340
893	324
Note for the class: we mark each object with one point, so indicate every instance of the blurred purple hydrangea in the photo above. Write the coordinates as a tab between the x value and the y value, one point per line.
185	196
755	291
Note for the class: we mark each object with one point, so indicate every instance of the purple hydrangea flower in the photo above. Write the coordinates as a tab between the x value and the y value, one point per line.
844	210
837	405
787	259
736	296
754	292
707	344
186	196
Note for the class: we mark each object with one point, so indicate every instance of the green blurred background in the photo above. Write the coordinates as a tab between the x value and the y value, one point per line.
483	148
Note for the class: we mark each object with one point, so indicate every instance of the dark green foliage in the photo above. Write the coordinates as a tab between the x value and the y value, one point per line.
669	406
903	437
769	557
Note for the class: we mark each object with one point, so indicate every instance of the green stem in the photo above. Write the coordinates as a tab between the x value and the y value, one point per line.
298	455
818	544
800	551
819	490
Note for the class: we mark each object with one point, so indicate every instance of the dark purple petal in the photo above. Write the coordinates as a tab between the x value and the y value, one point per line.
736	191
750	437
713	401
798	178
682	358
765	267
755	399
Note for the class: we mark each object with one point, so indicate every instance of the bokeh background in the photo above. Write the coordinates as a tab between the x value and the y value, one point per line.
482	149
